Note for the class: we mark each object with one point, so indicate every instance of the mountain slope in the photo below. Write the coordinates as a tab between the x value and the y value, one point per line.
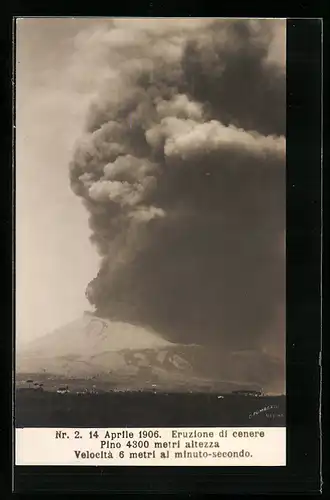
134	357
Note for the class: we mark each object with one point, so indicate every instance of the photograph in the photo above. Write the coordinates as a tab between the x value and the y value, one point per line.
150	207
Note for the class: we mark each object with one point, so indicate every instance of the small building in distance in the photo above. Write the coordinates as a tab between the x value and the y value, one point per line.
250	393
64	389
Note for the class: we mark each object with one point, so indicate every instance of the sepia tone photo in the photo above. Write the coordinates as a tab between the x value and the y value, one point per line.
150	222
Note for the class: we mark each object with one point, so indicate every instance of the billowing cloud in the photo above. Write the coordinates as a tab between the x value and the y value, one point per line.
182	168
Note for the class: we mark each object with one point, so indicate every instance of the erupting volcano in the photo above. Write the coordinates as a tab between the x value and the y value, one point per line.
181	167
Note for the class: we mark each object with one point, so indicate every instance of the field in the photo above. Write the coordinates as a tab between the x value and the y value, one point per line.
145	409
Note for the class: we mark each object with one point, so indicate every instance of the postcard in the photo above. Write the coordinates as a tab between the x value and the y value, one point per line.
150	241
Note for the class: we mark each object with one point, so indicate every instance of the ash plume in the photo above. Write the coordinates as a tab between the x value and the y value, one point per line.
182	169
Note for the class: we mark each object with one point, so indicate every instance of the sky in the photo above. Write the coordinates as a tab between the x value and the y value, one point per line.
51	275
163	233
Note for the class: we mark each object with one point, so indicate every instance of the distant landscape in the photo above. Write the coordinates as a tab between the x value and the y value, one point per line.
85	404
100	373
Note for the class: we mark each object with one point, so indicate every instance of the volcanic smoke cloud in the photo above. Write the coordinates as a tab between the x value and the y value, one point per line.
182	169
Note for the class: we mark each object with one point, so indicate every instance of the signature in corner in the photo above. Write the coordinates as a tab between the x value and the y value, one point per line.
262	410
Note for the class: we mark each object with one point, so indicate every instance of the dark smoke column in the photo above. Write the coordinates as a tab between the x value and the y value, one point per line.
182	169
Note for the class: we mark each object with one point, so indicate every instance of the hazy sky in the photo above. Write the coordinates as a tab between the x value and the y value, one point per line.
55	259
